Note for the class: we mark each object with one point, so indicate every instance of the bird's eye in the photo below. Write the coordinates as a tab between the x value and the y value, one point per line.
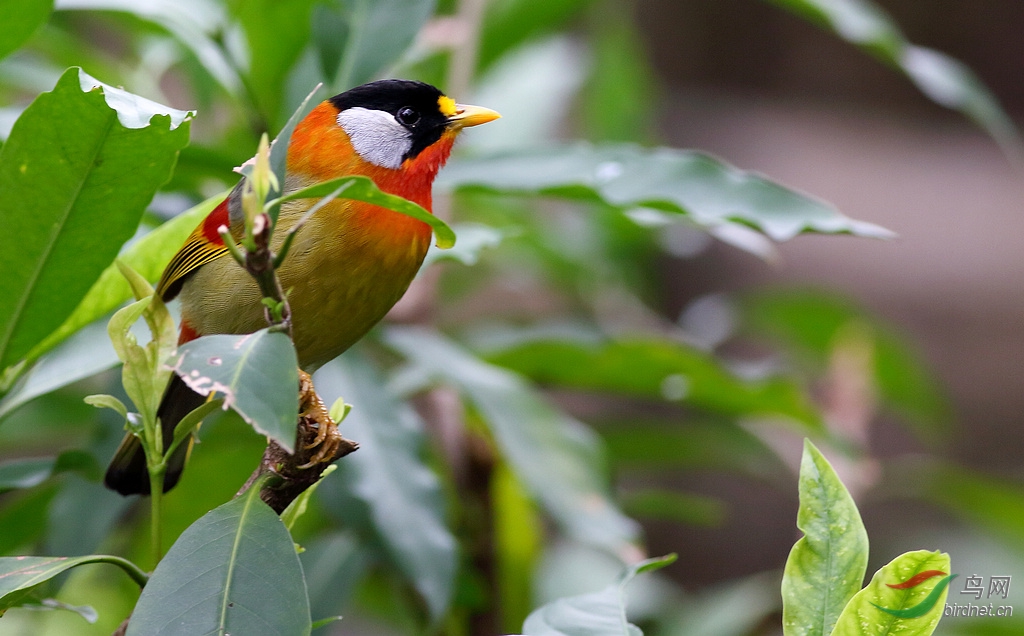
407	116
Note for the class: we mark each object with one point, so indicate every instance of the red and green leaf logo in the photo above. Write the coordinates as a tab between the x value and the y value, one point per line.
929	601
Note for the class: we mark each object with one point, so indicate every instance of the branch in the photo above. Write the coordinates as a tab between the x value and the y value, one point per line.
316	432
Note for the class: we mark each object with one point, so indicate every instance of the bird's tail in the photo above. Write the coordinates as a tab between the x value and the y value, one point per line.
127	473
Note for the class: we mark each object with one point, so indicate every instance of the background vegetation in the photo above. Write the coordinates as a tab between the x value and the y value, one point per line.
531	408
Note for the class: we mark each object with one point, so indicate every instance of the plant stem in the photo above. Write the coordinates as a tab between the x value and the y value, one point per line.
132	570
156	491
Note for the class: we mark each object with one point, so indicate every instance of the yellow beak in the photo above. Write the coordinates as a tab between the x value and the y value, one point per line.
466	116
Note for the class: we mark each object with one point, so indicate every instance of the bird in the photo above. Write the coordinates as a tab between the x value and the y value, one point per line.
348	264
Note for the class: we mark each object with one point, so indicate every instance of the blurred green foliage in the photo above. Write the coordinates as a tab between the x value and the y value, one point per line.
515	446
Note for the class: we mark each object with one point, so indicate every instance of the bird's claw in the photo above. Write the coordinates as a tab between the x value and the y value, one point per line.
313	411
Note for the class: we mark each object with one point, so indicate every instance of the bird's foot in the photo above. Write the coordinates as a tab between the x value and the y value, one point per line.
327	440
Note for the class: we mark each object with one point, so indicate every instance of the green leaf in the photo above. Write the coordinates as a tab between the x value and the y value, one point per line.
139	376
298	506
388	477
197	24
85	354
323	622
276	33
942	79
22	18
813	322
23	518
705	190
826	567
509	23
599	614
256	373
279	148
234	571
657	369
103	401
148	255
558	459
67	213
335	563
21	573
359	188
373	39
25	473
876	610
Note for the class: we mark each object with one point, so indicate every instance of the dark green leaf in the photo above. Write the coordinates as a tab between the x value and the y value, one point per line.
23	572
875	610
148	256
826	567
658	369
67	213
234	571
389	478
23	519
359	188
22	18
599	614
257	374
558	459
704	189
82	515
944	80
373	38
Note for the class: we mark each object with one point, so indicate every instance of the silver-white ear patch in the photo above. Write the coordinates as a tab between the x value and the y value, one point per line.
376	136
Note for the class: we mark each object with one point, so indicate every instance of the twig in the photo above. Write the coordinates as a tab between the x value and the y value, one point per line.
291	473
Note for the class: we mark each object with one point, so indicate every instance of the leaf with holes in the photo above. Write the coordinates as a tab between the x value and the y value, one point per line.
235	571
66	213
256	373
